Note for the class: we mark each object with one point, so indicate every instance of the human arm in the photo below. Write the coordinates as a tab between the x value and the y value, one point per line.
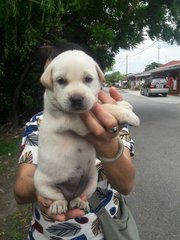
24	190
121	172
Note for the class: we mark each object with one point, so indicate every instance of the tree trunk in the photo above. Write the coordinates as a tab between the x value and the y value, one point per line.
14	117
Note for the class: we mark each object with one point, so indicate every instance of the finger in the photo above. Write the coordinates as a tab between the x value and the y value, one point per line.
71	214
84	197
56	217
107	120
59	217
115	94
104	98
74	213
44	201
92	123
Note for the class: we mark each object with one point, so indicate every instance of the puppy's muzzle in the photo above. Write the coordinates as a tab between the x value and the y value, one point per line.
77	102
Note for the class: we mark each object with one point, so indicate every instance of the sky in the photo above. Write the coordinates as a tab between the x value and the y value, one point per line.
136	60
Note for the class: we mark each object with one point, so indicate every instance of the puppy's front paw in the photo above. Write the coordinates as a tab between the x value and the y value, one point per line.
125	104
58	207
131	118
123	112
79	203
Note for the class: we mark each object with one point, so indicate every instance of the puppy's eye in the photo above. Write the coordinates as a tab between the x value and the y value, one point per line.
62	81
88	79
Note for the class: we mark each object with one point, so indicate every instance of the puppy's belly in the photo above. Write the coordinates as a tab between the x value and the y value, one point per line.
74	186
66	159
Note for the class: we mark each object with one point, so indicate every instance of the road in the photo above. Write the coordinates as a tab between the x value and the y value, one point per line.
155	200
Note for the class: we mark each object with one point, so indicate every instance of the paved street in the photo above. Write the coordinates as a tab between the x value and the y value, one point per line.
169	99
155	200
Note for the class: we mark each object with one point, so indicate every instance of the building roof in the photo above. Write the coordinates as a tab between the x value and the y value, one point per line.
143	74
172	65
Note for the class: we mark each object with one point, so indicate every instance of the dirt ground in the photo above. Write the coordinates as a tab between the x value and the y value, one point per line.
7	202
14	219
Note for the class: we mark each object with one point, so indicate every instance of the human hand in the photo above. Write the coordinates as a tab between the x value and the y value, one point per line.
113	98
99	121
70	214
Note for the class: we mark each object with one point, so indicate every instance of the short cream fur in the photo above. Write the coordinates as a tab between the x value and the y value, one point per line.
66	162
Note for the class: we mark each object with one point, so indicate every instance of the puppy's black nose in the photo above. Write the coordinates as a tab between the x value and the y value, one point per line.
76	101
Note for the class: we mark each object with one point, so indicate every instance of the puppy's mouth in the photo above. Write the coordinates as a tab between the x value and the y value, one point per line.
77	104
77	110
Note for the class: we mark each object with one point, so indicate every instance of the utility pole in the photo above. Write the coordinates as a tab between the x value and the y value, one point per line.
126	67
158	52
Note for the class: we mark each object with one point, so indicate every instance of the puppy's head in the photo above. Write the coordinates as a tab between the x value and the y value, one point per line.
73	80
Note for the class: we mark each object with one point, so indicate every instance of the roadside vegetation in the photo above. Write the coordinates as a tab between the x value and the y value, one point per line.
14	219
30	28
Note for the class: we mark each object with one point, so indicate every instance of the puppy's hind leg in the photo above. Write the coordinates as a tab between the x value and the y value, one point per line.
60	205
47	190
90	188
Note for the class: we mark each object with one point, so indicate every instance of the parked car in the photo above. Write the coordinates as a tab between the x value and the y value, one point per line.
155	86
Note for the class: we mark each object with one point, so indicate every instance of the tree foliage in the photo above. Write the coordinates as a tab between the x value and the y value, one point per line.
152	65
103	27
114	77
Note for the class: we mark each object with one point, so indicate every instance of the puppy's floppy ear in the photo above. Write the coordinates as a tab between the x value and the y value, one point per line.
100	74
46	78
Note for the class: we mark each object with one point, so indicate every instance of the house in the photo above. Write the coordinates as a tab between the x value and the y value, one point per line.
135	81
170	70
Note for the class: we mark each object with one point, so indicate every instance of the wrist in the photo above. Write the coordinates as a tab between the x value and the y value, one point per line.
108	148
111	153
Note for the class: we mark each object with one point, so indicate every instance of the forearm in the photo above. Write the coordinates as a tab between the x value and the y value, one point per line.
24	190
121	172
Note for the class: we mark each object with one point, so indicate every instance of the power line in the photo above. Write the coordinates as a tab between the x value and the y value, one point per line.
143	49
129	56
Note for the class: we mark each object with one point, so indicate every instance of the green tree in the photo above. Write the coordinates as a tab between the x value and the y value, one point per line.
103	27
152	65
114	77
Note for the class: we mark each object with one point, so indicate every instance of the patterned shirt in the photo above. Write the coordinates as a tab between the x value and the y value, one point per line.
83	228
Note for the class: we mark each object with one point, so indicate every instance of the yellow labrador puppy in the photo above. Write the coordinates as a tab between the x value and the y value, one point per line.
66	162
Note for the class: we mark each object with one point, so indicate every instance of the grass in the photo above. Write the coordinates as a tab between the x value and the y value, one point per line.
16	225
14	220
9	148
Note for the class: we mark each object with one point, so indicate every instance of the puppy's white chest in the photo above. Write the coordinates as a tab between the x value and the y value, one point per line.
66	151
63	122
